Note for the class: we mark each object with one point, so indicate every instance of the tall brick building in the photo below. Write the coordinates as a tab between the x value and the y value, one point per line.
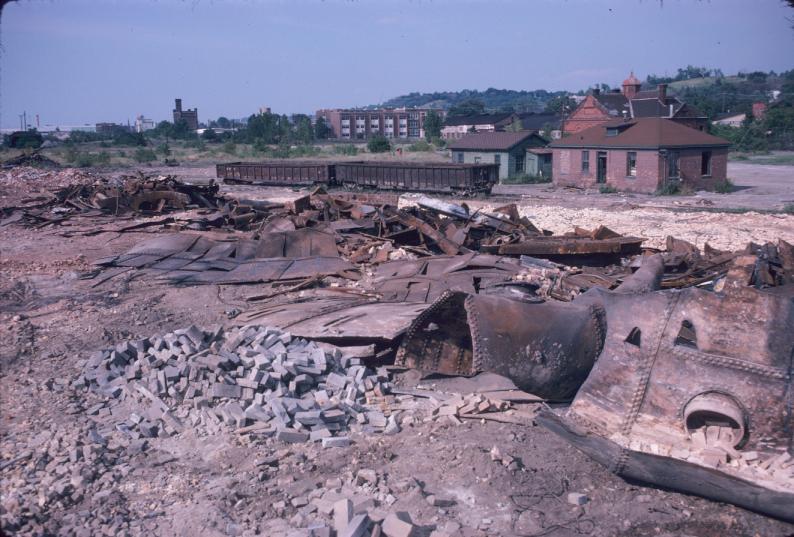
188	116
388	122
632	102
640	155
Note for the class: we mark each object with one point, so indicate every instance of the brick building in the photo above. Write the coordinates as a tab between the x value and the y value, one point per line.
640	155
188	116
632	102
387	122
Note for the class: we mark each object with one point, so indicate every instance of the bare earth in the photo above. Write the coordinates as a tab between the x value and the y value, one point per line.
185	485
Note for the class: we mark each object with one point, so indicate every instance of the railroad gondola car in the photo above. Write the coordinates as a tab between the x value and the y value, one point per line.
277	172
416	177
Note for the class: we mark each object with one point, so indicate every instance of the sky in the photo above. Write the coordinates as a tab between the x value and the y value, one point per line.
74	62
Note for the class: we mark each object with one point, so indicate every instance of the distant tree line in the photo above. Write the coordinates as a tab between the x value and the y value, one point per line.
774	131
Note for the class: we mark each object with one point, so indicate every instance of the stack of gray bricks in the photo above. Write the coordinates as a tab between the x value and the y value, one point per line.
252	378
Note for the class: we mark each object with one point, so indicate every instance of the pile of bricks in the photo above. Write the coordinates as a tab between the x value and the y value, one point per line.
467	406
255	379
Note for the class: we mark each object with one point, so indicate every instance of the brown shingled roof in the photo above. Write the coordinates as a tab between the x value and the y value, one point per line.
642	133
491	141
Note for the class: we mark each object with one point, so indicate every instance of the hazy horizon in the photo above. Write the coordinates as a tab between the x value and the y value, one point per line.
85	62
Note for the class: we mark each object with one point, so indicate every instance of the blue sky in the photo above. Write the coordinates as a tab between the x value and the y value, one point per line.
80	61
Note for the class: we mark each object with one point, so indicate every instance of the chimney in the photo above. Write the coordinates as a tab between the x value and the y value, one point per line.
178	104
662	92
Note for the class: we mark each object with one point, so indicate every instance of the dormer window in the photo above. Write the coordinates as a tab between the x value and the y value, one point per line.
612	131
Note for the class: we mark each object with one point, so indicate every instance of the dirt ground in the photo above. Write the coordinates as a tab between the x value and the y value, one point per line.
50	320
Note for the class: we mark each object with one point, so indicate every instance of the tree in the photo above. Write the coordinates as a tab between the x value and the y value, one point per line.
555	105
515	126
432	125
470	107
321	129
302	131
378	144
29	139
182	130
209	135
263	127
223	123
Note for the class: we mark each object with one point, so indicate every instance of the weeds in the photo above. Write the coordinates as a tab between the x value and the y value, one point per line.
724	187
788	208
525	179
144	155
607	189
668	188
230	148
420	146
345	149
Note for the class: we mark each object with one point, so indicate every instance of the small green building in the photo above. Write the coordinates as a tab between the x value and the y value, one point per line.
507	149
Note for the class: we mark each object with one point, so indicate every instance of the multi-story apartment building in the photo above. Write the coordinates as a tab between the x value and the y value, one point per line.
352	124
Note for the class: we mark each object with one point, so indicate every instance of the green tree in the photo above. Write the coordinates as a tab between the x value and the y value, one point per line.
555	105
432	125
209	135
264	127
378	144
29	139
469	107
321	129
515	126
182	130
223	123
302	131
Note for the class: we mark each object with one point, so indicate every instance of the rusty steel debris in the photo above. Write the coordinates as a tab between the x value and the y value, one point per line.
139	195
188	258
693	389
546	349
678	361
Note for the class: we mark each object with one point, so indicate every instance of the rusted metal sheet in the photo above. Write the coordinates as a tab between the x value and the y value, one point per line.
336	317
192	259
446	245
693	390
426	279
546	349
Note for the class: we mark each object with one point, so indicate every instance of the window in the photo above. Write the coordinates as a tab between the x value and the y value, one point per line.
459	157
585	161
705	163
519	164
476	160
672	165
497	159
612	132
631	164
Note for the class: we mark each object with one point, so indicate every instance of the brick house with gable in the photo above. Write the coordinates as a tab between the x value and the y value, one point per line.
640	155
632	102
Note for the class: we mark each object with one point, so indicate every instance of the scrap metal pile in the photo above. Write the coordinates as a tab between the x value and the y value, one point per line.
85	207
678	362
